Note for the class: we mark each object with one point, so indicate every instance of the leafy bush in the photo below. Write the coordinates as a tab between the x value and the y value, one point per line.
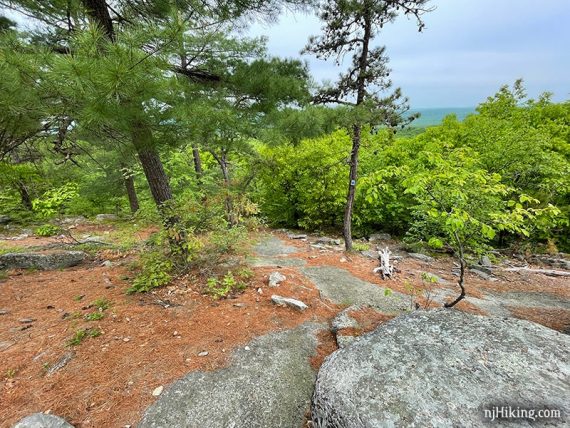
156	272
47	230
219	289
53	201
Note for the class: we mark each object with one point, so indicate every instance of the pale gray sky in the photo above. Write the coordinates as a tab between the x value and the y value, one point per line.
467	51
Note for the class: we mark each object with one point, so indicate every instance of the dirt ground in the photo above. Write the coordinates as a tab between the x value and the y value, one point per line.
150	340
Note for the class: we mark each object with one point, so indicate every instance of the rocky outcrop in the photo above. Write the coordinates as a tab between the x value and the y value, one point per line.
442	368
42	420
106	217
43	261
341	287
267	384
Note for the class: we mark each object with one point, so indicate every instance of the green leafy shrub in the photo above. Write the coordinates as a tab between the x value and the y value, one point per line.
228	284
47	230
156	272
53	201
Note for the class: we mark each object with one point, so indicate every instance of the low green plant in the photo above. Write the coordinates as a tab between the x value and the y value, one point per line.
11	373
245	273
101	304
82	334
360	246
219	289
47	230
94	316
79	297
156	272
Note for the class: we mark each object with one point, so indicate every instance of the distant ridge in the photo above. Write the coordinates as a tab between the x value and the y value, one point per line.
434	116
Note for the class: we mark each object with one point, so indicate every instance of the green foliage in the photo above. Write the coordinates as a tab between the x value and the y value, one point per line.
82	334
47	230
94	316
228	284
53	201
156	272
101	304
360	246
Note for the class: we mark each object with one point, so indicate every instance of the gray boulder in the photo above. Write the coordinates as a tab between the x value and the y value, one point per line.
377	237
324	240
42	420
443	368
269	383
421	257
43	261
106	217
5	219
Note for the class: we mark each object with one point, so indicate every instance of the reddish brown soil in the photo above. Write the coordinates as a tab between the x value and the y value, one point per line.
555	318
143	345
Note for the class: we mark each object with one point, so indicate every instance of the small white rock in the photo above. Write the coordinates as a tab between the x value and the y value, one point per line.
276	278
287	301
157	391
247	348
203	354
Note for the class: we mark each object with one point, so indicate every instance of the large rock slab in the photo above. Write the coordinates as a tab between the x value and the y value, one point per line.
269	385
42	420
272	247
341	287
43	261
442	368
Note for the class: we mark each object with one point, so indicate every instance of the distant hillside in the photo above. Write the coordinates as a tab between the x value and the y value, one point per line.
433	116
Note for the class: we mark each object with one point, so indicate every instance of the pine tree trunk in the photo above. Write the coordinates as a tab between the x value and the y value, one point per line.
24	195
197	163
347	226
357	129
154	173
131	193
98	11
223	162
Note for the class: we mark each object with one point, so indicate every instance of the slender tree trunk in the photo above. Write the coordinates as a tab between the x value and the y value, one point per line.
461	282
223	162
356	136
197	163
130	187
24	195
353	175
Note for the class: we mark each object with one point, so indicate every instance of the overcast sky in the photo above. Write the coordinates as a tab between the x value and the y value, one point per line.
468	49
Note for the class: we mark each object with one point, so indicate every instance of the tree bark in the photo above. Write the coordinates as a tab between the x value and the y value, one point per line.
461	281
347	227
154	173
98	11
131	190
197	163
223	162
24	195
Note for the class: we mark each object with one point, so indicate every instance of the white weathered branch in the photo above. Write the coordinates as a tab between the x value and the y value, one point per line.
385	269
